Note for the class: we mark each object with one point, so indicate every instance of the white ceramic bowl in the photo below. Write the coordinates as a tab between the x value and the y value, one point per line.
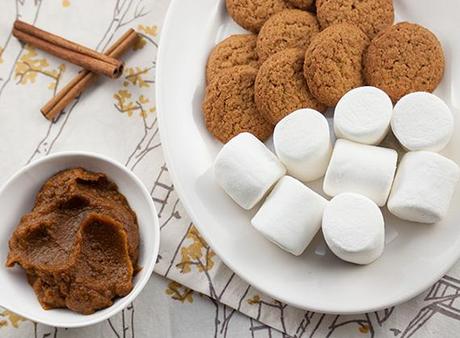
17	197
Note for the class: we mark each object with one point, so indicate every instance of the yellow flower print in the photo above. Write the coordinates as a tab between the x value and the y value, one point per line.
135	76
179	292
254	300
10	318
197	253
125	98
125	104
146	34
148	30
30	65
363	329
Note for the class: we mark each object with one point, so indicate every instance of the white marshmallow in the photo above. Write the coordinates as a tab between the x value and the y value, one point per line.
247	170
422	121
362	169
423	187
291	215
353	228
363	115
303	143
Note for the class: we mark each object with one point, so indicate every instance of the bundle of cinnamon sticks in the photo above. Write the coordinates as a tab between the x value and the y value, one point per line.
93	62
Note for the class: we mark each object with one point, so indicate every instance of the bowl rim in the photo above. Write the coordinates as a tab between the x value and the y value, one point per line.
123	302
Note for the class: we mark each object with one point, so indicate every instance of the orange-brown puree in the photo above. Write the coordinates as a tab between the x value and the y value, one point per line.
80	243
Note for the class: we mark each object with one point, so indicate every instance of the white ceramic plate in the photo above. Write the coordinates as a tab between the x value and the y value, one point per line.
415	256
17	197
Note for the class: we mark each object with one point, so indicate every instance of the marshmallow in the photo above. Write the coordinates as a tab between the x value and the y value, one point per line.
362	169
303	143
291	215
247	170
423	187
353	228
363	115
422	121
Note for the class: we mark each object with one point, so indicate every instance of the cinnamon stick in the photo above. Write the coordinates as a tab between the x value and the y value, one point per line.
67	50
85	78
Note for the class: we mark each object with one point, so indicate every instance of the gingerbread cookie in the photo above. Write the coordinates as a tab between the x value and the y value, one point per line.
236	50
371	16
252	14
281	88
291	28
303	4
333	62
403	59
229	107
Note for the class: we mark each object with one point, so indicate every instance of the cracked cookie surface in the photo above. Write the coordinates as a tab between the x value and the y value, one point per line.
252	14
236	50
371	16
303	4
403	59
281	88
333	62
229	107
291	28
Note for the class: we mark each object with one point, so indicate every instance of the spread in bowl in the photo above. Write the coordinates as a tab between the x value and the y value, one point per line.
80	243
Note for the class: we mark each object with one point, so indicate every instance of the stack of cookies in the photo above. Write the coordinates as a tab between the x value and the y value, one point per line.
302	54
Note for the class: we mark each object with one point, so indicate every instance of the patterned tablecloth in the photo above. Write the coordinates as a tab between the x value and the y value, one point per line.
192	294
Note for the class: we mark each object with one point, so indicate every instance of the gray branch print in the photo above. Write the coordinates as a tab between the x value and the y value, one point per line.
120	19
26	10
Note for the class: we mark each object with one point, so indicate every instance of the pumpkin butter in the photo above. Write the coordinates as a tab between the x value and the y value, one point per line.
80	243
